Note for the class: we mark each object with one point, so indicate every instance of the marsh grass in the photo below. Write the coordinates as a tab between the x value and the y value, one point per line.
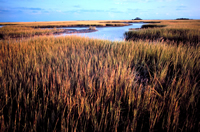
7	32
65	24
80	84
185	36
173	31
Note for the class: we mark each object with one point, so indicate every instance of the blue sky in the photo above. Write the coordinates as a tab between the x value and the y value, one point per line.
66	10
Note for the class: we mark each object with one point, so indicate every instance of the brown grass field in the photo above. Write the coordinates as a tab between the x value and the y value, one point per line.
80	84
174	32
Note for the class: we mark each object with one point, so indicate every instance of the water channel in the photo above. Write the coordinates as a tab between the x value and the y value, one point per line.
106	33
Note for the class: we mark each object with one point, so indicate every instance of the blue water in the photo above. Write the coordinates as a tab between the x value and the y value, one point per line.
1	26
106	33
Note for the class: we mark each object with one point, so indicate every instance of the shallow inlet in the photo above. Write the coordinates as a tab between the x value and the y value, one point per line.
106	33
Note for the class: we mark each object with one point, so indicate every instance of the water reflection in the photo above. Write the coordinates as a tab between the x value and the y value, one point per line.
106	33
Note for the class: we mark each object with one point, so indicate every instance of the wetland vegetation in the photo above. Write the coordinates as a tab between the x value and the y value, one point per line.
177	33
79	84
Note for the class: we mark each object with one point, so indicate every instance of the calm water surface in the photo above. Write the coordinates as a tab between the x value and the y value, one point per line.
106	33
